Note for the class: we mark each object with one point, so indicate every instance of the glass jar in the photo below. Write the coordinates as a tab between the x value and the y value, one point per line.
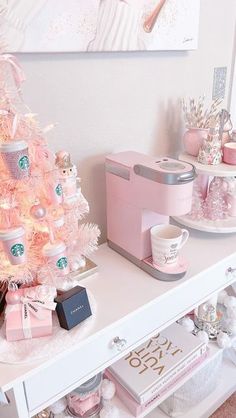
85	401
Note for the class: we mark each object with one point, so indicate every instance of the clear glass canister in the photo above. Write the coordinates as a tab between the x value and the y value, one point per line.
85	401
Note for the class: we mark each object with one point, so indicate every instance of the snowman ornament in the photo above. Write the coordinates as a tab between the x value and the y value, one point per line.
67	175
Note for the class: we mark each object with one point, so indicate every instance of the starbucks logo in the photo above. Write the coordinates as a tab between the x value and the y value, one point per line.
24	162
62	263
59	190
17	250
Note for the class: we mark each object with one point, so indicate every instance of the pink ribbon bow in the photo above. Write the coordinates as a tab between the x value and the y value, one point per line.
34	307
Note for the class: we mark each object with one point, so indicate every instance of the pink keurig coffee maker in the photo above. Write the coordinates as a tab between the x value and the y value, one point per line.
144	191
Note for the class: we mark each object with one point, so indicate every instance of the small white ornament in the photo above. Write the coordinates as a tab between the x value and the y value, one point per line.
203	336
108	389
230	301
221	296
223	340
111	412
74	265
77	263
59	406
187	323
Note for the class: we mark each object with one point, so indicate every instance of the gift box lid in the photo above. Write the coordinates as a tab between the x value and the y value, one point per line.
73	307
69	293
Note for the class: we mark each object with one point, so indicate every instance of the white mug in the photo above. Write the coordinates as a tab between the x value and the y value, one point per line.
166	241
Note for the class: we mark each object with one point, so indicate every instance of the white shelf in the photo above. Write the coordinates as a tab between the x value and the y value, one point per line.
226	387
225	226
221	170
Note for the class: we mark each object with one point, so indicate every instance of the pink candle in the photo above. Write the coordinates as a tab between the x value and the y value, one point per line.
13	241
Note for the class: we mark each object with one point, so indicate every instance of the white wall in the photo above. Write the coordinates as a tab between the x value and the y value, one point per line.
112	101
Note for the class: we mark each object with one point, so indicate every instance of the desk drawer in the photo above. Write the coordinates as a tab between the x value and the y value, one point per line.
95	353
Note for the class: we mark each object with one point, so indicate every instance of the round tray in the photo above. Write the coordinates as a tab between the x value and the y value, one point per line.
225	226
220	170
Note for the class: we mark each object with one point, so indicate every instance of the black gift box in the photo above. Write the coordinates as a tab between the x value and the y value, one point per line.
73	307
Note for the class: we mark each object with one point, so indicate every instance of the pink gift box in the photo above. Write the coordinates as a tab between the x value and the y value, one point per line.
31	318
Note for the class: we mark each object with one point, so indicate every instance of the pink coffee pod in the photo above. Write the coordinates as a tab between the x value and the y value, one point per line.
55	253
13	241
229	153
16	158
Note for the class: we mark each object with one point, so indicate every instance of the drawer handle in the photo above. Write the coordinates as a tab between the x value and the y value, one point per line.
119	343
230	270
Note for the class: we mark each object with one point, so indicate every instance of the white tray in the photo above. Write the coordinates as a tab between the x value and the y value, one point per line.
221	170
225	226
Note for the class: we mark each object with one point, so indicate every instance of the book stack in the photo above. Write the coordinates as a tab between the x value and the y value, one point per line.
148	373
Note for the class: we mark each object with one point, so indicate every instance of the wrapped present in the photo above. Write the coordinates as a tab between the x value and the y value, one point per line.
29	312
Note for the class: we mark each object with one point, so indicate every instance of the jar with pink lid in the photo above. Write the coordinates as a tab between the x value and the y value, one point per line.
85	401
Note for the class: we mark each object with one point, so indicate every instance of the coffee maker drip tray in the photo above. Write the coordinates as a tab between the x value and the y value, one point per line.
167	272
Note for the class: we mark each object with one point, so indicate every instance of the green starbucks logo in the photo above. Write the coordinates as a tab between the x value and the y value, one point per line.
59	190
62	263
24	163
17	250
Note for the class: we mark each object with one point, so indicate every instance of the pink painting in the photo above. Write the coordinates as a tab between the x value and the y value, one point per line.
99	25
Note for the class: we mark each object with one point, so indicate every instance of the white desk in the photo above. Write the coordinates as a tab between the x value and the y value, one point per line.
131	305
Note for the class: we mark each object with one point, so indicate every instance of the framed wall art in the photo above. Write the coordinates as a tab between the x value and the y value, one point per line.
100	25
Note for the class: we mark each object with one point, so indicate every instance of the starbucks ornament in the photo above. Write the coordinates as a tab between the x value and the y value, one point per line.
16	158
13	241
54	187
56	257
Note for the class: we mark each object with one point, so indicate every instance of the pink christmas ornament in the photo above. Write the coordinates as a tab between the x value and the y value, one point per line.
12	297
38	211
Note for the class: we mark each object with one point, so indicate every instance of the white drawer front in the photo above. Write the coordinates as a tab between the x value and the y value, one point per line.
109	345
99	352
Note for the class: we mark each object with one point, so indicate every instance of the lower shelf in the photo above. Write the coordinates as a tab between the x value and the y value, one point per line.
225	388
225	226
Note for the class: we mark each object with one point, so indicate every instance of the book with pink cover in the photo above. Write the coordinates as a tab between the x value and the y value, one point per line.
147	368
134	407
